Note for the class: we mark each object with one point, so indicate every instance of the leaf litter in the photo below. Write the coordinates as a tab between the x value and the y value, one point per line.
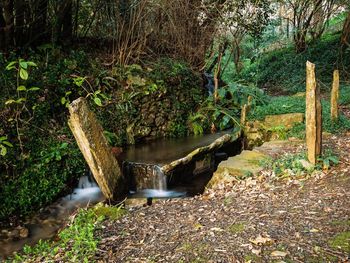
290	220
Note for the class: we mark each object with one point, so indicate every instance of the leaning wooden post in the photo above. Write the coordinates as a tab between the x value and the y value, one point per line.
313	115
89	135
335	96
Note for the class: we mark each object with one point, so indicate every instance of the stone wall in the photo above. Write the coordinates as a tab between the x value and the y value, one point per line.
161	113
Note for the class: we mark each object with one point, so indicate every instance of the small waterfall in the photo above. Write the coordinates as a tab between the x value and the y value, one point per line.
159	179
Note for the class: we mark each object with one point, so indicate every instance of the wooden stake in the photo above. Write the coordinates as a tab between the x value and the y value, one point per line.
335	96
313	115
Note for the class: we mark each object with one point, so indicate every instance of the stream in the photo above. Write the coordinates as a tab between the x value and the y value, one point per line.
48	221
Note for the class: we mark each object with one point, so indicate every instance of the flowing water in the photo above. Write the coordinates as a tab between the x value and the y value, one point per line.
48	221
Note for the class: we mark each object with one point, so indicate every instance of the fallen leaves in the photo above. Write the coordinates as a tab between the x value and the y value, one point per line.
261	241
277	253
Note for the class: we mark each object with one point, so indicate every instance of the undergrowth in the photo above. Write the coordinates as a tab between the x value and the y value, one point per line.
76	243
291	104
296	166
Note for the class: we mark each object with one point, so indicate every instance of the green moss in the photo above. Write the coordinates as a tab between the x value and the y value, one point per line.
341	241
252	258
341	223
236	228
112	212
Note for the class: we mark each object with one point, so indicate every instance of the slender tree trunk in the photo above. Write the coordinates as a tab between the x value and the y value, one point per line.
345	37
20	32
40	26
67	25
7	29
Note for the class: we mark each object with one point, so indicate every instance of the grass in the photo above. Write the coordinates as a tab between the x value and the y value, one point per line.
76	243
236	228
284	70
341	241
291	104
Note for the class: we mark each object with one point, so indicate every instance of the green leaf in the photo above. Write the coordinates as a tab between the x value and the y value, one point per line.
21	88
20	100
23	64
3	138
11	65
8	143
31	63
23	74
34	89
3	150
9	102
63	100
98	101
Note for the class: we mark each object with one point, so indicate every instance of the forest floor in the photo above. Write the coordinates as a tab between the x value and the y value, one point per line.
253	220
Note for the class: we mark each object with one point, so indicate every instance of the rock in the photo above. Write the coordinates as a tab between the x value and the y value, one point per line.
96	151
160	121
306	164
286	120
299	94
23	232
240	166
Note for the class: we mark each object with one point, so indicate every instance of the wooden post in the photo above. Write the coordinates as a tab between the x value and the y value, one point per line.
335	96
89	135
313	115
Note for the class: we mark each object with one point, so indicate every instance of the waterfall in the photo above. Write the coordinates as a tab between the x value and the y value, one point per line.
159	179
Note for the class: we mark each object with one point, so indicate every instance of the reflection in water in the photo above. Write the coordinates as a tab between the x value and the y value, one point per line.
163	151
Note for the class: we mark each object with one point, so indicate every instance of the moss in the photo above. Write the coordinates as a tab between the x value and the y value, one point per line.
341	223
252	258
112	212
236	228
341	241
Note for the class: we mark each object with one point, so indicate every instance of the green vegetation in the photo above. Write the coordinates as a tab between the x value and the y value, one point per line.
295	165
341	241
224	111
292	104
77	242
39	159
236	228
283	70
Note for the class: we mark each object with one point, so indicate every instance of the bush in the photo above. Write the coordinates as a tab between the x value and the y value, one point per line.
283	70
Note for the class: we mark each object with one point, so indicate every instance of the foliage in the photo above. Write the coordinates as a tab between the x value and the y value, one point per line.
278	105
43	177
292	104
224	112
296	166
344	98
76	243
4	144
284	70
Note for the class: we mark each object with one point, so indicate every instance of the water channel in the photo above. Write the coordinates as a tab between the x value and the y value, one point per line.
152	155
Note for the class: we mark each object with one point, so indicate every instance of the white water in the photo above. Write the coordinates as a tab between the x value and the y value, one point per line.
47	222
159	179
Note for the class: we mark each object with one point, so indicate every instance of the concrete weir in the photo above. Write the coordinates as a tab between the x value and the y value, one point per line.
178	162
89	135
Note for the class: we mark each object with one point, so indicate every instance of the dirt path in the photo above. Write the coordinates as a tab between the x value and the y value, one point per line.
251	221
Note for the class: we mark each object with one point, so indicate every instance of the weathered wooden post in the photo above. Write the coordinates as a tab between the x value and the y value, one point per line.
89	135
335	96
313	115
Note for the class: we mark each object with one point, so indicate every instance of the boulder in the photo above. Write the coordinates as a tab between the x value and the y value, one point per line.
248	163
286	120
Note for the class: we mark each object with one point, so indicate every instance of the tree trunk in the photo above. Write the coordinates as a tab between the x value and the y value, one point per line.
7	17
20	32
345	37
40	31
